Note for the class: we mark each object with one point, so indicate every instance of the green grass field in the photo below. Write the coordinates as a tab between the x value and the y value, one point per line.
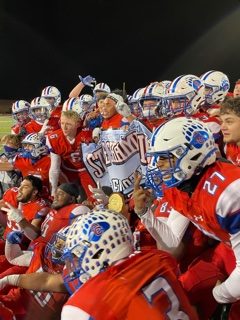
6	121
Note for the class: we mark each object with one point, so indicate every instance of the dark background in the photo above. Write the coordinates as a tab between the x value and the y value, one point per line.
136	42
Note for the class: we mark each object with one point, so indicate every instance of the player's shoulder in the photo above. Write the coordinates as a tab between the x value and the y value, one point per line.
11	191
40	204
226	168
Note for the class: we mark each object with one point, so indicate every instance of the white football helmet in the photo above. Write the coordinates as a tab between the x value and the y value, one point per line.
33	146
20	111
216	85
134	102
74	104
185	95
94	241
52	92
185	146
86	101
40	109
101	87
166	84
151	100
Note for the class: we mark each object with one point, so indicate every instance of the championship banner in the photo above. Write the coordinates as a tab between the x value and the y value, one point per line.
94	161
140	127
121	154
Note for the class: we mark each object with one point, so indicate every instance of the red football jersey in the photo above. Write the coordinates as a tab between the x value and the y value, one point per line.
152	124
213	123
36	209
17	129
143	239
46	305
43	305
54	120
71	154
115	122
39	169
33	127
144	286
6	313
57	219
232	152
211	207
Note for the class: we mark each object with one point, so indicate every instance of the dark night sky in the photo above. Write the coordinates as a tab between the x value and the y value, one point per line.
51	42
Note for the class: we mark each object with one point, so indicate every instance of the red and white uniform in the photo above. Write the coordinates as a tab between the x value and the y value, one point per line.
207	207
57	219
213	123
53	123
144	286
152	125
45	305
39	168
54	120
232	152
70	155
33	127
36	209
32	210
115	122
19	129
6	313
213	207
195	242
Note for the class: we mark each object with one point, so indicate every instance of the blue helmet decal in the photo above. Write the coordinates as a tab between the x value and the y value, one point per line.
199	138
96	230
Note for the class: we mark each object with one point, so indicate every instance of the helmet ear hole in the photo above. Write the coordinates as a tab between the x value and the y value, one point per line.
98	254
194	158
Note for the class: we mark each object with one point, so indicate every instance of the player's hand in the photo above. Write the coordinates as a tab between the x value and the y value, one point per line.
142	198
96	133
88	80
99	194
14	214
44	128
15	237
123	109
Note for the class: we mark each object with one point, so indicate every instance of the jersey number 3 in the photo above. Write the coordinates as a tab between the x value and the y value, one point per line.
158	286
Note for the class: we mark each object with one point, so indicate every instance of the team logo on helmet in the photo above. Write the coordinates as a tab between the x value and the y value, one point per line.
199	138
97	229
